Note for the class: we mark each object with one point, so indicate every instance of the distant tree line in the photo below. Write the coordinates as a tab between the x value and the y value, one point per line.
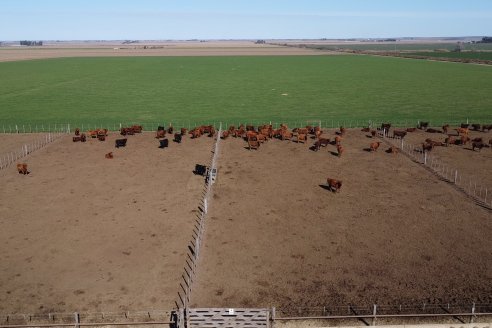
31	43
486	39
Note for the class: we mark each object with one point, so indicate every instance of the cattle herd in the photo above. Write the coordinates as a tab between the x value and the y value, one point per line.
255	136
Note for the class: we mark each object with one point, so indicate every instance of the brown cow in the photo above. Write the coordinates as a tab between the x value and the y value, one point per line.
392	150
476	127
77	131
342	131
462	131
450	140
338	140
465	139
334	184
321	142
426	147
478	145
225	134
261	137
75	139
411	129
22	168
373	133
477	140
137	128
340	150
445	128
83	137
211	133
434	143
487	127
301	137
431	130
183	131
253	143
160	134
366	130
400	134
286	135
374	146
109	155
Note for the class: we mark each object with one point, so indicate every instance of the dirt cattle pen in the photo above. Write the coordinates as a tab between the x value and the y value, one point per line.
86	233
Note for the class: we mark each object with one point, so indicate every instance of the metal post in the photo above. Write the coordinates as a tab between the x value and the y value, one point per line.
472	313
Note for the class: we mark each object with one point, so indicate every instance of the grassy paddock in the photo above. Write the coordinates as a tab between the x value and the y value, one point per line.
464	55
105	91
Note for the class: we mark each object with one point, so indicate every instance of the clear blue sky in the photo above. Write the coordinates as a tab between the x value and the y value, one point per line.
240	19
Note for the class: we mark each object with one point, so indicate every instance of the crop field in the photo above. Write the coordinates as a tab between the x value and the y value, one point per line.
392	46
483	55
107	91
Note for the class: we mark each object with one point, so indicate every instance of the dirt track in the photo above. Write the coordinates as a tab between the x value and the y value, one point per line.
224	48
91	234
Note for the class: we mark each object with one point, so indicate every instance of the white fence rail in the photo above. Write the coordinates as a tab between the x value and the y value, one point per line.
468	184
189	124
11	157
190	269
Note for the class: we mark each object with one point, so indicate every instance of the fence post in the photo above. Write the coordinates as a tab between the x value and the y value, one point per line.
374	314
485	199
77	319
425	158
472	313
455	176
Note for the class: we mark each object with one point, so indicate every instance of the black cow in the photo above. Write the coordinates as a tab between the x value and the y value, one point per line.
120	143
177	137
163	143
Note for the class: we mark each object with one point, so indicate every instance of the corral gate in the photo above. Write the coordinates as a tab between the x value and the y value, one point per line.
218	317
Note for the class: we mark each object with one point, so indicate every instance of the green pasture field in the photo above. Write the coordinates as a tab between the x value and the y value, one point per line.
108	91
483	55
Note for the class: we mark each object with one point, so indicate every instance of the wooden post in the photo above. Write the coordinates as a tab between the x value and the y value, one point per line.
455	176
472	313
425	158
77	320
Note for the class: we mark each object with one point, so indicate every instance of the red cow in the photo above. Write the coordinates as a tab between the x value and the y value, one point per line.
374	146
22	168
334	184
109	155
340	150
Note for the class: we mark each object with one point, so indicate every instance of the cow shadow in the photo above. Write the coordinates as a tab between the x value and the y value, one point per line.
334	153
325	187
369	136
367	149
313	148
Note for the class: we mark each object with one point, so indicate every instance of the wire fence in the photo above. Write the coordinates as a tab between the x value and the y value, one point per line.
193	254
9	158
468	184
189	124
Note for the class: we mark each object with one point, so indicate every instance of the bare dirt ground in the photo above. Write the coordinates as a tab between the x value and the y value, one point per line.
395	234
86	233
217	48
475	165
14	142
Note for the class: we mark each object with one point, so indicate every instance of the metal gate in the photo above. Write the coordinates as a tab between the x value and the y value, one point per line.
219	317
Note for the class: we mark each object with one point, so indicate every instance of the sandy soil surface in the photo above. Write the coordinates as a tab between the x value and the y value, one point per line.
112	235
224	48
394	234
14	142
86	233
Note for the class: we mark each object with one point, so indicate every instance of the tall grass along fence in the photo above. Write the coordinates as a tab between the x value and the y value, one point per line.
193	255
468	184
330	123
9	158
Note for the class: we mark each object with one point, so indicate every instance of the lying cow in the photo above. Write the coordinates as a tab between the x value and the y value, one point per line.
392	150
120	143
22	168
476	127
431	130
411	129
334	184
